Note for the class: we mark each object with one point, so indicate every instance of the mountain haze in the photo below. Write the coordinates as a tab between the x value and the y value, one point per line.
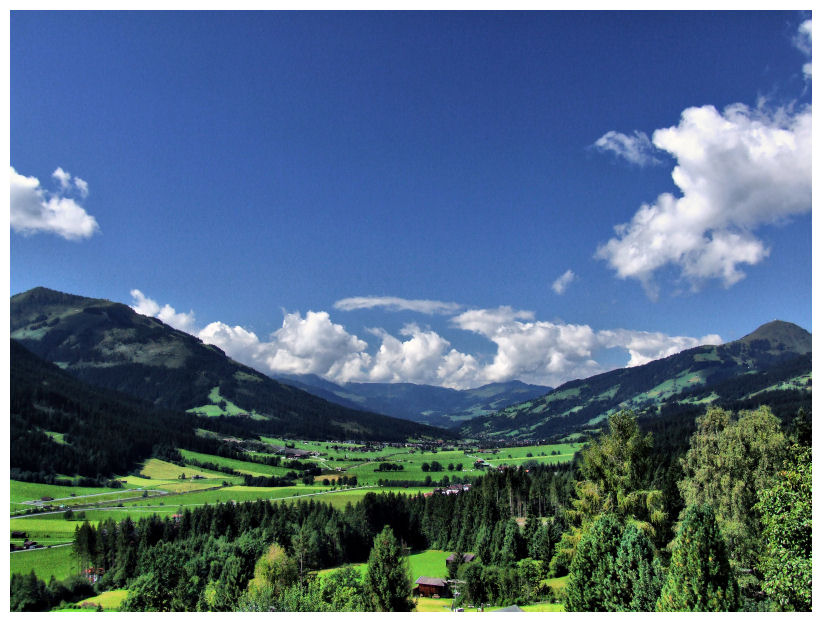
770	365
107	344
439	406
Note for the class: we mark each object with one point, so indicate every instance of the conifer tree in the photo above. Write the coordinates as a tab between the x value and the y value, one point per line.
638	572
593	577
700	576
387	576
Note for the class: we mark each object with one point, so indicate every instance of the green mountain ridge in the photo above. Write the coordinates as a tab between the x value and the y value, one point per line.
108	344
771	364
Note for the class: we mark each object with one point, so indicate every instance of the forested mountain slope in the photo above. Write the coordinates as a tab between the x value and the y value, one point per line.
772	365
108	345
60	424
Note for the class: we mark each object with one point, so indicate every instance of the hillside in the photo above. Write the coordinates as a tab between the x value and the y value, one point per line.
770	365
107	344
438	406
60	424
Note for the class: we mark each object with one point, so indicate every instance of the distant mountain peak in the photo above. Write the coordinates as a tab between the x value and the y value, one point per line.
780	333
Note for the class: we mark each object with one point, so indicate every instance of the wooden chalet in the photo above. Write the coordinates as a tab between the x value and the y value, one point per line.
431	586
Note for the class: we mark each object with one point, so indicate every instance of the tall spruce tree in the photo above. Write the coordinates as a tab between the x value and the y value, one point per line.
639	576
593	577
387	576
700	576
615	479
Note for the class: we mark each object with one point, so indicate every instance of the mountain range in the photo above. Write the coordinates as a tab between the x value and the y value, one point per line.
771	365
107	344
437	406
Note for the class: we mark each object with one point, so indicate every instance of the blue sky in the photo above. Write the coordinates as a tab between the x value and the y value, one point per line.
286	185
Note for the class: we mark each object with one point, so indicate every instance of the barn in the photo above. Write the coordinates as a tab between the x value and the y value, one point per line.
431	586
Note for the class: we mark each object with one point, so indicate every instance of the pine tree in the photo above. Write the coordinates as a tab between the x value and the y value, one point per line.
387	576
512	544
638	572
700	576
593	578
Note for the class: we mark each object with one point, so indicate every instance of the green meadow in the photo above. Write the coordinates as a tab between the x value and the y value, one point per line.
160	490
56	561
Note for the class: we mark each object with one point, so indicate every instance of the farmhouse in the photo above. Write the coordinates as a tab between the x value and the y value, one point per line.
431	586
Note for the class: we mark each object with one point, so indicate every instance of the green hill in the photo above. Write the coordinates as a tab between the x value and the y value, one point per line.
60	424
107	344
771	365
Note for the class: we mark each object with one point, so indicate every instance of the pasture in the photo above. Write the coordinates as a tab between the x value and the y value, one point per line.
57	561
243	466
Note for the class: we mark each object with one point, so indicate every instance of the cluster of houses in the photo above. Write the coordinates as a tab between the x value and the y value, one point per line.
453	489
27	544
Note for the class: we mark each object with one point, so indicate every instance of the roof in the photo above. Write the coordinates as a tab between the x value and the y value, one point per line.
433	581
467	557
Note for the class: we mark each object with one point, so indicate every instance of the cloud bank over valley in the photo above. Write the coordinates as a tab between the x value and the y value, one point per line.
527	349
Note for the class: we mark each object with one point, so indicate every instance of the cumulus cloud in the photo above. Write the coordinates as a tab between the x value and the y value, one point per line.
535	351
530	350
315	345
33	209
644	347
636	149
736	170
424	358
393	303
563	281
146	306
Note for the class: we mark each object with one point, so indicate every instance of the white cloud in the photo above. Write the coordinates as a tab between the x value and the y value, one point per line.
393	303
563	281
645	347
33	209
803	41
82	186
637	149
529	350
146	306
62	177
737	170
424	358
315	345
535	351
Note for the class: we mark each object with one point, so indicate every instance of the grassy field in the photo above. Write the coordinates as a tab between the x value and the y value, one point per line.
57	561
430	563
167	494
27	491
160	469
109	601
252	468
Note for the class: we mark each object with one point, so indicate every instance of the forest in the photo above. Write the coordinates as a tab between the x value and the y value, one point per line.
721	522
